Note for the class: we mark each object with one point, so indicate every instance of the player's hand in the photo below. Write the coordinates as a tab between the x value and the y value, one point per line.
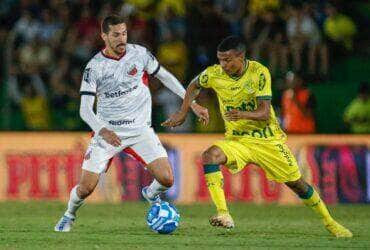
110	137
201	112
175	120
234	115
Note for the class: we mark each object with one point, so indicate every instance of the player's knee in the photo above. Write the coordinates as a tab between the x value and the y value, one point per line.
84	191
166	181
210	156
300	187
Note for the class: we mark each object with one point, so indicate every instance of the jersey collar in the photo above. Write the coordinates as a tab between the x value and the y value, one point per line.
245	70
111	57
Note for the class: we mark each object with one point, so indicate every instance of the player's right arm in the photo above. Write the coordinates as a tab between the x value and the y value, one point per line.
191	94
88	92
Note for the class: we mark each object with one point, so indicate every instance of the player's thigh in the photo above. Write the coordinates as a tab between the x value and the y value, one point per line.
161	171
237	154
277	161
147	148
98	156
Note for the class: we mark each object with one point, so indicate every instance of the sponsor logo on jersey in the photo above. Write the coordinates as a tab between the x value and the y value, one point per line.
244	106
266	132
235	88
121	122
248	88
119	93
107	77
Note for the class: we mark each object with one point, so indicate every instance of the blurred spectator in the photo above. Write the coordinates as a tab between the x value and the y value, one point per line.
87	25
267	34
339	28
171	103
30	94
357	113
35	57
208	28
35	109
170	18
259	7
298	105
172	53
302	31
49	28
27	27
232	11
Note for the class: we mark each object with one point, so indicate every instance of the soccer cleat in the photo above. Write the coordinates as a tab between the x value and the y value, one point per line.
338	230
222	220
64	224
144	193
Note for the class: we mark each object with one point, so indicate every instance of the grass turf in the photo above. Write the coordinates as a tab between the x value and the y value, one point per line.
106	226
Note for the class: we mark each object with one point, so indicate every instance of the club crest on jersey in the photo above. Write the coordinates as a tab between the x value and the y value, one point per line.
132	71
248	88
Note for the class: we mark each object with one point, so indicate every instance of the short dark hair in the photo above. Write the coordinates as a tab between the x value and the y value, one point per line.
231	42
111	20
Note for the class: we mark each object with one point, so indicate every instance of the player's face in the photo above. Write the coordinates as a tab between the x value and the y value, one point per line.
116	38
231	61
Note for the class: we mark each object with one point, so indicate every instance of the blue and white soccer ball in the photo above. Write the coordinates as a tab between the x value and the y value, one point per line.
163	218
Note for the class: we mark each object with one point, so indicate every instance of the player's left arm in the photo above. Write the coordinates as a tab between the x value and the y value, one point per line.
171	82
263	96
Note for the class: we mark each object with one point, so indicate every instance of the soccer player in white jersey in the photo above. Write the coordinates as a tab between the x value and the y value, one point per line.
117	76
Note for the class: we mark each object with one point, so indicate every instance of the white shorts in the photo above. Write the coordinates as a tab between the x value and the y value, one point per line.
145	148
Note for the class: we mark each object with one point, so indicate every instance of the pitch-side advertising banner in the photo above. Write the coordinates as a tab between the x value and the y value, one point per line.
45	166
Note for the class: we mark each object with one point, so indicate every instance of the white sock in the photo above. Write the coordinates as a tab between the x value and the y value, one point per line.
74	203
155	188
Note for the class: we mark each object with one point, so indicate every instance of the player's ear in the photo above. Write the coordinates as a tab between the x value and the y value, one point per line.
103	36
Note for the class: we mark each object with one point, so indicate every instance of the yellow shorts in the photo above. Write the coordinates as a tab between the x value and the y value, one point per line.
275	159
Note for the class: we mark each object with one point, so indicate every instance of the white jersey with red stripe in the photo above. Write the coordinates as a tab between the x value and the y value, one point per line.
124	101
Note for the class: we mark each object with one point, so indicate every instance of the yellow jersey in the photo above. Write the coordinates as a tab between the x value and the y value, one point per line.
242	94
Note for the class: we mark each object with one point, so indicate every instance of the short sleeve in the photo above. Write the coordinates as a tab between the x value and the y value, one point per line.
204	78
151	63
264	84
89	80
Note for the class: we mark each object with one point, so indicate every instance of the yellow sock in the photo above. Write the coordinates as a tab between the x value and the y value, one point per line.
313	200
214	179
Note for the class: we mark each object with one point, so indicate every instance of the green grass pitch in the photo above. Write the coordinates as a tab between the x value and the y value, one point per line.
30	226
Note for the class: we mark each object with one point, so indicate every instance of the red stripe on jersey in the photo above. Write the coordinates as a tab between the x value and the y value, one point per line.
132	152
145	78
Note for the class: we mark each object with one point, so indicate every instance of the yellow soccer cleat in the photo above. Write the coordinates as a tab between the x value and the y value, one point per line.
222	220
338	230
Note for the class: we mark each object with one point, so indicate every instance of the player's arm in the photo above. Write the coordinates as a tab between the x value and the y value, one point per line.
87	92
191	94
262	113
87	115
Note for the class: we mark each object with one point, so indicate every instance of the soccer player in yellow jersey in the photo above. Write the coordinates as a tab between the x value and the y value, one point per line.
253	135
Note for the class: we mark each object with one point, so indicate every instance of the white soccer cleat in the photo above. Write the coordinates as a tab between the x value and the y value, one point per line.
156	199
222	220
64	224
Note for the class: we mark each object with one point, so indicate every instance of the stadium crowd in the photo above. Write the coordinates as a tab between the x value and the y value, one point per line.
46	44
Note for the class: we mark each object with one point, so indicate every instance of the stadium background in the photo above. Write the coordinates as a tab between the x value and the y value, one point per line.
44	46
